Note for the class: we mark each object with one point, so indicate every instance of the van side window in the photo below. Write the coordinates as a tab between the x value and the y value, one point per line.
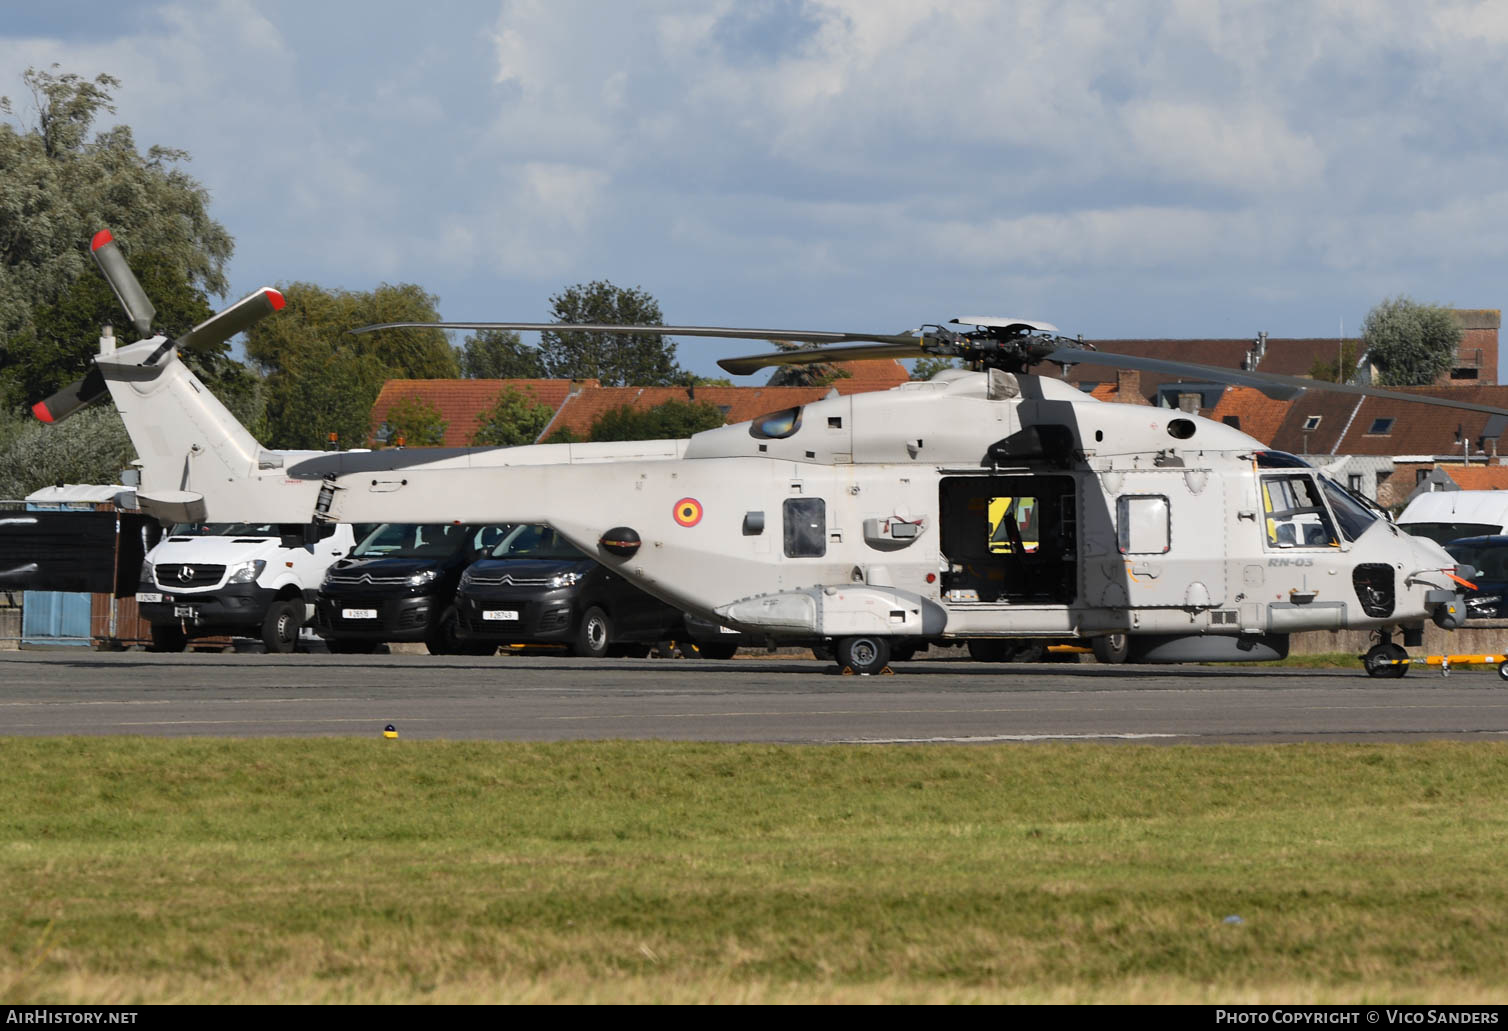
805	527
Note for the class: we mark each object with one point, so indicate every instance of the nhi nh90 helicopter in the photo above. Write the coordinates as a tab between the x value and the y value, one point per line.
862	523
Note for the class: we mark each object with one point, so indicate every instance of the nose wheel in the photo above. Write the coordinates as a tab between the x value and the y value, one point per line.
1386	660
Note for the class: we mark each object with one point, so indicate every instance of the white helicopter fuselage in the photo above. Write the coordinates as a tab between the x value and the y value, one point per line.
873	514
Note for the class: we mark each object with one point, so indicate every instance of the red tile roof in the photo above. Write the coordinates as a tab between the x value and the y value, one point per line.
462	401
1478	477
578	403
1257	414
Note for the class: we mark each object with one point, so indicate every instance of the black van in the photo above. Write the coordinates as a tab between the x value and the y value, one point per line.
535	588
399	585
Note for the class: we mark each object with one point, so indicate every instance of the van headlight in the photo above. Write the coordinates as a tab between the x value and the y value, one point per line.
1484	601
423	577
246	572
566	579
146	573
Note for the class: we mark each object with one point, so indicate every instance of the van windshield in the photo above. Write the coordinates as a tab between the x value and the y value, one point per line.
415	540
1444	533
234	529
536	542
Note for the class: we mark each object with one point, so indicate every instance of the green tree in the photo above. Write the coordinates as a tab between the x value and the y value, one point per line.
321	379
414	422
499	354
926	368
617	360
1338	368
812	374
514	419
1410	344
91	447
673	420
58	186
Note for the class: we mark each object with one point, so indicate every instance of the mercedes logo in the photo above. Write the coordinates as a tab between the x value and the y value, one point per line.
185	573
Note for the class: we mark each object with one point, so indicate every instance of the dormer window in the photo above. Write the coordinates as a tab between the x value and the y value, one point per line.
1312	423
1381	427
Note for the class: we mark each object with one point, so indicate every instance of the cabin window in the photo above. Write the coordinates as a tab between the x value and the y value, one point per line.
777	425
805	527
1296	514
1144	524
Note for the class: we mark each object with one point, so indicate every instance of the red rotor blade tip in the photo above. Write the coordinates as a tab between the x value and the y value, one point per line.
100	239
40	411
276	298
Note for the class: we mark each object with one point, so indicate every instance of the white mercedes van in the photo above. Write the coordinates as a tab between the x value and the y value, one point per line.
238	579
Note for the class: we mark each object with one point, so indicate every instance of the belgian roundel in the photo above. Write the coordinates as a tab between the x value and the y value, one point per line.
688	511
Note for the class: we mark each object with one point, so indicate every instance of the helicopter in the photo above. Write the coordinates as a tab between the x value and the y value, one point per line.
862	524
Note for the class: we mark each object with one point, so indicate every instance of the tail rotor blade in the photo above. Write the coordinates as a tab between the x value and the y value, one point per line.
71	398
221	327
123	281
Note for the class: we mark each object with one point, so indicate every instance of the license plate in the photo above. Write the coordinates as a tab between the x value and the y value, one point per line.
500	614
148	596
358	613
183	611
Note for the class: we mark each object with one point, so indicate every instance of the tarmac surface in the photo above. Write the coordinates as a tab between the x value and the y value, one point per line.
774	699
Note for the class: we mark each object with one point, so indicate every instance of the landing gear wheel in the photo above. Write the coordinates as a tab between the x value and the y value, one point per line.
593	634
442	638
1503	669
1387	661
863	654
280	628
168	637
1111	649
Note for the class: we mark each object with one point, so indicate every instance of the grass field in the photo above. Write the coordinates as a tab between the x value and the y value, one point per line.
368	870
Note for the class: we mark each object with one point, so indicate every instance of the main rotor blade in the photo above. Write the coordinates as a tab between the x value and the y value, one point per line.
1078	356
747	364
71	398
727	333
221	327
123	281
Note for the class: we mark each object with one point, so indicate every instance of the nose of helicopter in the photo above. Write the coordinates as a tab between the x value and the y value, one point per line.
1443	580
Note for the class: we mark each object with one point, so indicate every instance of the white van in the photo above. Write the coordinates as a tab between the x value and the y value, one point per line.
1448	515
240	579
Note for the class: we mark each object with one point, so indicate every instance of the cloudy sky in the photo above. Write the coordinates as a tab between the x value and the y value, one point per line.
1130	169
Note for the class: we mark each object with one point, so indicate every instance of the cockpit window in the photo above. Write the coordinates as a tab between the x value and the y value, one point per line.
1352	515
777	425
1280	460
1296	514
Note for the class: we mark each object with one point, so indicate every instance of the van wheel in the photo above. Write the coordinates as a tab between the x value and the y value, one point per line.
442	636
280	628
1111	649
593	634
867	654
168	637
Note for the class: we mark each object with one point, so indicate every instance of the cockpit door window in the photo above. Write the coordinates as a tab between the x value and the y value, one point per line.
1296	516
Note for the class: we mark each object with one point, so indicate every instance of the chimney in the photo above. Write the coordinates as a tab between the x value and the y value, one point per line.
1128	385
1189	403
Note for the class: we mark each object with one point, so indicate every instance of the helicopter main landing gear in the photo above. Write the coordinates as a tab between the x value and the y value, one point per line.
863	655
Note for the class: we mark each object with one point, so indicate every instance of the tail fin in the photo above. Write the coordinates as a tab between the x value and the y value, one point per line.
190	445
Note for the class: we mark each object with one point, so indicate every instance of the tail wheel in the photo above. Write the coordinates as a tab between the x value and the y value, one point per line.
280	628
864	654
1112	649
1387	661
168	637
593	634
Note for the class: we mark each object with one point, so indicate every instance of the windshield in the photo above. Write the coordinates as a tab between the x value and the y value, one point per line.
1489	558
415	540
534	541
1444	533
234	529
1352	515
